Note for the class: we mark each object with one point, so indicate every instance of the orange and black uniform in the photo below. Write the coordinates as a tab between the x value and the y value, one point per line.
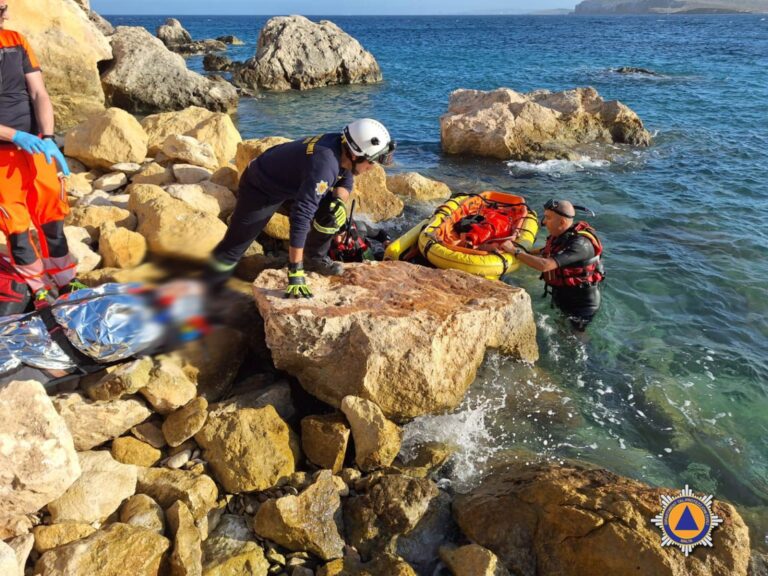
31	192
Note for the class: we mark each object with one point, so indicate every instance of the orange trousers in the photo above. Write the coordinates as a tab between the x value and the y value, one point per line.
32	194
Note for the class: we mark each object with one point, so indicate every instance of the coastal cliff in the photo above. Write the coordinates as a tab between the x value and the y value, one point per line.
671	6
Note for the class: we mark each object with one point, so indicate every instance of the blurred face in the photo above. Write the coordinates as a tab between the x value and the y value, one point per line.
555	223
3	12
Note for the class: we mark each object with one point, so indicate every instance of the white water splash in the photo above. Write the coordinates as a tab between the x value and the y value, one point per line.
555	167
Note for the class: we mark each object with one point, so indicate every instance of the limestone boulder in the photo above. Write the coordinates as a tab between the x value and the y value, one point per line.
50	537
93	423
166	486
185	422
311	521
249	150
472	560
130	450
141	511
93	217
80	184
536	126
190	150
117	550
249	449
145	77
173	34
38	461
169	388
8	562
87	260
377	440
154	173
99	491
171	227
383	565
228	177
69	47
220	133
416	187
374	199
163	124
206	197
576	520
278	227
232	549
111	181
403	330
22	547
324	440
118	381
187	555
107	138
392	506
296	53
120	247
213	361
190	174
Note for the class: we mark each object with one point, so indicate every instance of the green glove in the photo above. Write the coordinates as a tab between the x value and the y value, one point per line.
297	282
339	212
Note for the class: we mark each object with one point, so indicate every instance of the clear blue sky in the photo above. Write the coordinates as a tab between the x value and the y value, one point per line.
323	7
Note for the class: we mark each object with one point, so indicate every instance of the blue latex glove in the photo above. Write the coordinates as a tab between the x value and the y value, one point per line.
28	142
52	152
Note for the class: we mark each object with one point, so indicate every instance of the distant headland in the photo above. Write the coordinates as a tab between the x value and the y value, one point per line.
671	6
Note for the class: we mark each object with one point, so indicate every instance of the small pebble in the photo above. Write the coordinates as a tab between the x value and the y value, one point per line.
178	460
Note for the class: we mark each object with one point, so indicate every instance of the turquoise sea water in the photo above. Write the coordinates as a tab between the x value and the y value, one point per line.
670	383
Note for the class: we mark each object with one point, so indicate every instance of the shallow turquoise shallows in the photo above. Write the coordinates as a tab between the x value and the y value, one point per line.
670	383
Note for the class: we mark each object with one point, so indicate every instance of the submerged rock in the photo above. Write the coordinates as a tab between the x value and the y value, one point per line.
296	53
411	338
548	519
537	126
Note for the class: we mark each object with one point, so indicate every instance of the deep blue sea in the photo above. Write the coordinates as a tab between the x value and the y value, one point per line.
670	384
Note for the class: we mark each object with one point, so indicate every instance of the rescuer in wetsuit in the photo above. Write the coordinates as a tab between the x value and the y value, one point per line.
570	262
32	192
313	172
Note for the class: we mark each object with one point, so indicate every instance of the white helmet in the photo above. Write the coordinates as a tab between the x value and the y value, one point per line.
369	139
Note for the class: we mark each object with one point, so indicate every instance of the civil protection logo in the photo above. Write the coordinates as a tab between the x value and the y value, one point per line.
686	520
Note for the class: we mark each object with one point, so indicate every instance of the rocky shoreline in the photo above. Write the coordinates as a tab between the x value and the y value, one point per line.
274	448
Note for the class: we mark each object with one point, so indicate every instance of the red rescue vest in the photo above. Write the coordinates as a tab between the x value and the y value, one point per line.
578	274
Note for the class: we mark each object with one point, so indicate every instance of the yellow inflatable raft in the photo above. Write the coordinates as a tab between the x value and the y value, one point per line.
444	241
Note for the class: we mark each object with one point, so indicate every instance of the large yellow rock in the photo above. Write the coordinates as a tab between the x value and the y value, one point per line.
417	187
50	537
249	449
402	330
219	131
310	521
187	556
166	486
130	450
173	228
472	560
93	217
537	126
374	198
248	150
159	126
324	440
117	550
69	46
120	247
377	440
107	138
569	519
232	550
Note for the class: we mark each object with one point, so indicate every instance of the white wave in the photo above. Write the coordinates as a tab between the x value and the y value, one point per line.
555	167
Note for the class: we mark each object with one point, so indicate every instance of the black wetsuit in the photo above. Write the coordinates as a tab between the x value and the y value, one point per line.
304	172
582	302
